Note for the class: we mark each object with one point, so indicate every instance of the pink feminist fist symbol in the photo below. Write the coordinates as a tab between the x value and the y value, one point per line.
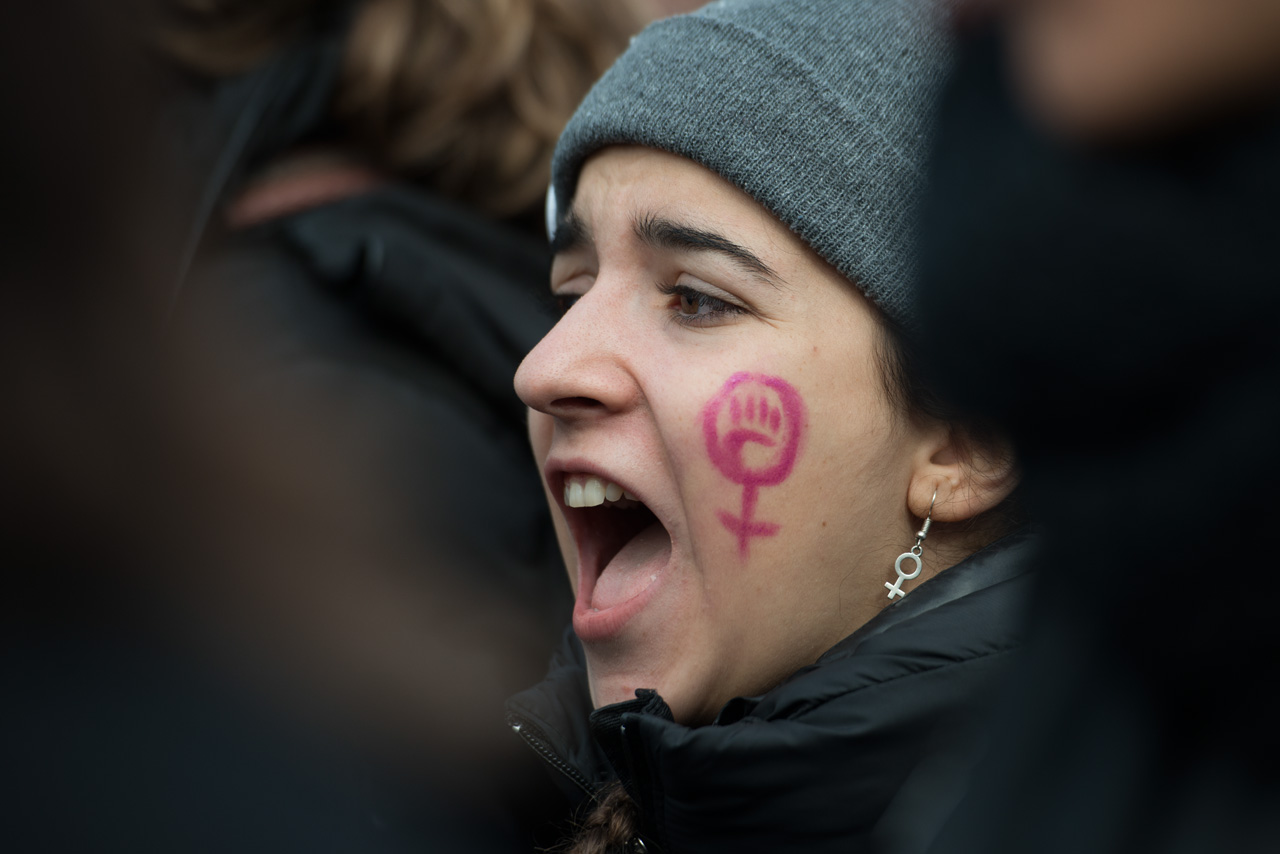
753	428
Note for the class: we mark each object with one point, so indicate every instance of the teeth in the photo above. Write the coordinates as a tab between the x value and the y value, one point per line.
592	491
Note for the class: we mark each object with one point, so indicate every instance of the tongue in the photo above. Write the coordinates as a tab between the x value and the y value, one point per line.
632	569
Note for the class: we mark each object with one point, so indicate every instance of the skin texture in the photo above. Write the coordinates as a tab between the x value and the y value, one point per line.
1114	69
622	388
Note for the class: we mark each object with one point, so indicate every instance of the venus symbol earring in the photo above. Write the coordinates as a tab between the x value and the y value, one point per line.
912	554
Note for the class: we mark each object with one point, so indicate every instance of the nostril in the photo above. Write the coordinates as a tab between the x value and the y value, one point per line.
576	404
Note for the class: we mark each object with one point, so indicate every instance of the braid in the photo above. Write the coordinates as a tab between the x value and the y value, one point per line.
609	827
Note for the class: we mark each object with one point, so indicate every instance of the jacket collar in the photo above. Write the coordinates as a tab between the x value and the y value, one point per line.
1005	559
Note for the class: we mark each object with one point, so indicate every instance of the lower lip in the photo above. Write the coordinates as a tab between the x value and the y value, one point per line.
593	626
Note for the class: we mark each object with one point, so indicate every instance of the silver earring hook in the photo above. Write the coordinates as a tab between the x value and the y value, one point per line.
912	554
918	549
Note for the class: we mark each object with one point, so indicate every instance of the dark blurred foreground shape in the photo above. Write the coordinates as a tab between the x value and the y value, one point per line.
214	639
1104	283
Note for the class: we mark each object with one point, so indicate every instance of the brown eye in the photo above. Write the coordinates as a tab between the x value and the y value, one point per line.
695	308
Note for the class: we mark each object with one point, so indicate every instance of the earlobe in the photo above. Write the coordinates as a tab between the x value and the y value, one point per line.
969	477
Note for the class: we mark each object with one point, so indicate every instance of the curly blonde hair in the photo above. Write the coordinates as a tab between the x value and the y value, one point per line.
465	97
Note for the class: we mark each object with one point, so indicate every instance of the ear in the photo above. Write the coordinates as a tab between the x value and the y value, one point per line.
970	477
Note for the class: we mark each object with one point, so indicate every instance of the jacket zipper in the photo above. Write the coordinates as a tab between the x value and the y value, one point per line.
537	741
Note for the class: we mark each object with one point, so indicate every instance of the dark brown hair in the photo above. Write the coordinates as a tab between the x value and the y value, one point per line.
610	825
466	97
908	390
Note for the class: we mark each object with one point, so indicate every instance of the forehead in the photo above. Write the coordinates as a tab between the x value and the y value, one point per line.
636	166
619	184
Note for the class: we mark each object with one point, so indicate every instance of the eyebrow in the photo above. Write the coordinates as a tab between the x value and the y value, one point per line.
668	234
573	233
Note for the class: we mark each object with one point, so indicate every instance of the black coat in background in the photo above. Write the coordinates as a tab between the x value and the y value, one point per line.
1116	310
399	315
396	320
400	319
122	727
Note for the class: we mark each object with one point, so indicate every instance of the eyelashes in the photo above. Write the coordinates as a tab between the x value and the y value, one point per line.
689	306
692	307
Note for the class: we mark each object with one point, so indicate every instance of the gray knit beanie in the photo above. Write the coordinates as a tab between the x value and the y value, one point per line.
818	109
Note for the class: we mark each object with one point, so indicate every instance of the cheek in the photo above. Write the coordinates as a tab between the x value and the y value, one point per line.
734	450
775	474
753	431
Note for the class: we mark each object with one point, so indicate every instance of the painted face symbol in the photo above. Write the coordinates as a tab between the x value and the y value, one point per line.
753	428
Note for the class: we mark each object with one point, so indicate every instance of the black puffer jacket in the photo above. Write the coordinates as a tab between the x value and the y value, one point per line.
832	759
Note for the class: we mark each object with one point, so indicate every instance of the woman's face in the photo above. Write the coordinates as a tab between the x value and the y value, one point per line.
728	476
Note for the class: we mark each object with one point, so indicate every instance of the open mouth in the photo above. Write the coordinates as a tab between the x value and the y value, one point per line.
622	546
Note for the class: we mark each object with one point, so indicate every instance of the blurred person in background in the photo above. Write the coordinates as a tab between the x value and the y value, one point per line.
372	223
373	183
225	632
1099	276
740	453
189	662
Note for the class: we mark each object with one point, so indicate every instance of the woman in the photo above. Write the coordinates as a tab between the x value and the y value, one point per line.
738	453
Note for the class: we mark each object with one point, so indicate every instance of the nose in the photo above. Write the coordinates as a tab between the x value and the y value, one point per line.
582	369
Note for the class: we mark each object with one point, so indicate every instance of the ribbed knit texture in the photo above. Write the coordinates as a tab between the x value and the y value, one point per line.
818	109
